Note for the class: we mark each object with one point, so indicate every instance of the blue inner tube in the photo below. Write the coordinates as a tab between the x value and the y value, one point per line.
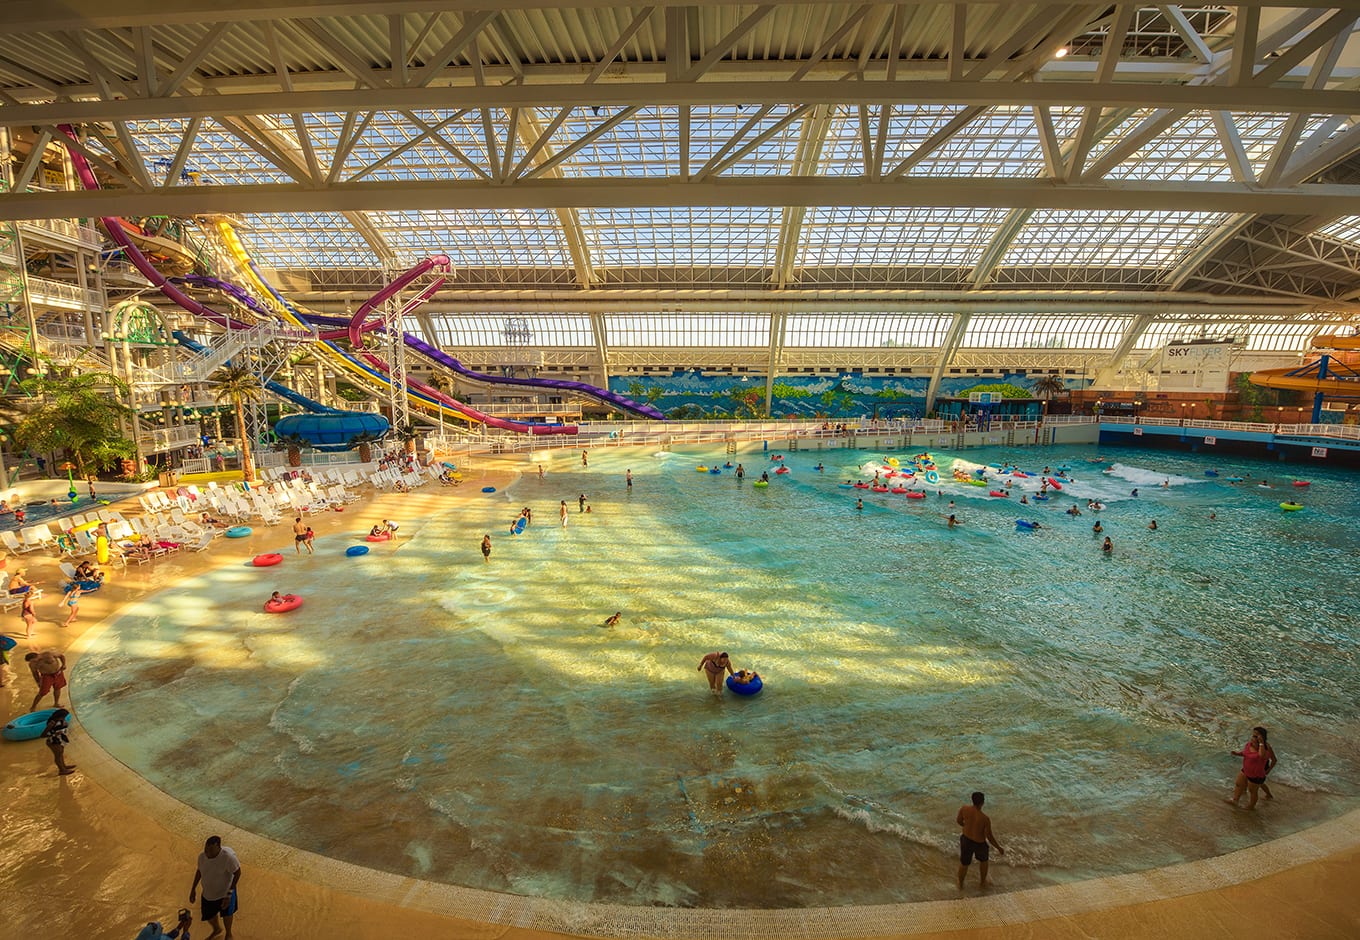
745	688
89	587
715	469
356	550
27	727
488	489
1024	524
1211	473
932	477
238	532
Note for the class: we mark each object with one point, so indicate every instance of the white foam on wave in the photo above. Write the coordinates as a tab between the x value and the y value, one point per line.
285	727
1142	476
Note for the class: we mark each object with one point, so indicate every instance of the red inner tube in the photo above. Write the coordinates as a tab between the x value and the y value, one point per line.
916	496
380	537
285	603
267	559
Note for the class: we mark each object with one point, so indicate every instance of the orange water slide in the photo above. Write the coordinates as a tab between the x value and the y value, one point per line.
1341	381
1336	341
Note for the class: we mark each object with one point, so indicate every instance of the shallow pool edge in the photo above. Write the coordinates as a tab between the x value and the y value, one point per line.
615	920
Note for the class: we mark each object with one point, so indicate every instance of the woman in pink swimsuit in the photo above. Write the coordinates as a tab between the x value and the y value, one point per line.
1257	761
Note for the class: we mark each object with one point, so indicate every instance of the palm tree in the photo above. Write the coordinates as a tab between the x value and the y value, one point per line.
1046	386
239	386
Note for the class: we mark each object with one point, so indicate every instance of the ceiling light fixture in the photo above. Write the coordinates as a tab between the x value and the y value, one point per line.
1060	53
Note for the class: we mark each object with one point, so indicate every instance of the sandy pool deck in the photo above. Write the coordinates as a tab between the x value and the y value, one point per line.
98	853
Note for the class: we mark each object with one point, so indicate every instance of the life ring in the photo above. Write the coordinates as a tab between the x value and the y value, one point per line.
238	532
488	489
380	537
284	604
1041	497
879	489
761	483
354	551
1054	483
1303	482
845	486
1001	493
781	470
745	688
899	490
701	469
777	457
1291	507
86	587
1233	479
267	560
861	486
932	477
728	465
1025	524
893	462
916	496
714	470
27	727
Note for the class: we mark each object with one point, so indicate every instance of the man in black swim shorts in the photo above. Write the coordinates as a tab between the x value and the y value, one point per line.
977	833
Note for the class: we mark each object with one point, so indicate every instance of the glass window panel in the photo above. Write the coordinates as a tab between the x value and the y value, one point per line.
677	329
397	148
1037	332
1191	149
865	331
477	238
455	331
666	237
887	237
1122	239
712	128
305	240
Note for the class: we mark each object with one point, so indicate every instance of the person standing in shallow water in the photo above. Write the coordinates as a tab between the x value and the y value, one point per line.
976	837
486	547
628	477
564	513
713	665
1258	758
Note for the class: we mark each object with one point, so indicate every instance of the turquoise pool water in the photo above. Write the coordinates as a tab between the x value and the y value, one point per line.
430	714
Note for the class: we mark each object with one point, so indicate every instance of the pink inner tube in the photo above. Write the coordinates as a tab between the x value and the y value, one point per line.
285	603
266	560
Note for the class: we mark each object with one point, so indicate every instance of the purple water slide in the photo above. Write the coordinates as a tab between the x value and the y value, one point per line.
437	355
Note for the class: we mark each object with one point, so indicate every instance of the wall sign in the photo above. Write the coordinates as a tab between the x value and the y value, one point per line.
1137	432
1211	440
1319	452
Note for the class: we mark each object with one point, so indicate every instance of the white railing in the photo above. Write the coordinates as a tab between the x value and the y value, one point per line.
168	438
66	229
67	296
1339	431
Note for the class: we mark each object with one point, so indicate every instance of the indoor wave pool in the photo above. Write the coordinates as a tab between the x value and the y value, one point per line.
432	715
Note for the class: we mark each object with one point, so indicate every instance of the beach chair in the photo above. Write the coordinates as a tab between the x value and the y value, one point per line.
201	543
37	537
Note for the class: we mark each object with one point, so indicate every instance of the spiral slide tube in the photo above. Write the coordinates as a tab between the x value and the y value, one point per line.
374	370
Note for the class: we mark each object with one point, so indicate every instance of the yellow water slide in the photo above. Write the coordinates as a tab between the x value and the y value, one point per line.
245	269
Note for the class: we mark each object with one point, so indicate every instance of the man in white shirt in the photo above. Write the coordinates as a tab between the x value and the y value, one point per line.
219	871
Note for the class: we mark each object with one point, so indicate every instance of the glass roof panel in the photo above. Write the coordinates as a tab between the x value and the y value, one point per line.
1345	229
895	237
681	237
1041	332
646	144
865	330
1120	239
713	128
305	240
1193	150
999	142
477	238
682	329
443	145
217	153
459	331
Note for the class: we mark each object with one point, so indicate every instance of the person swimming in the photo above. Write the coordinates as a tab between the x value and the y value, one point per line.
614	620
1108	547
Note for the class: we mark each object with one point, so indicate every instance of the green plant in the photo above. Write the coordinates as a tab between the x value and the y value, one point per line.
1004	389
80	413
295	443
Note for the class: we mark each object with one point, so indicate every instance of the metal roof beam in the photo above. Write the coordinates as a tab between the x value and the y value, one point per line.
27	16
548	193
981	94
